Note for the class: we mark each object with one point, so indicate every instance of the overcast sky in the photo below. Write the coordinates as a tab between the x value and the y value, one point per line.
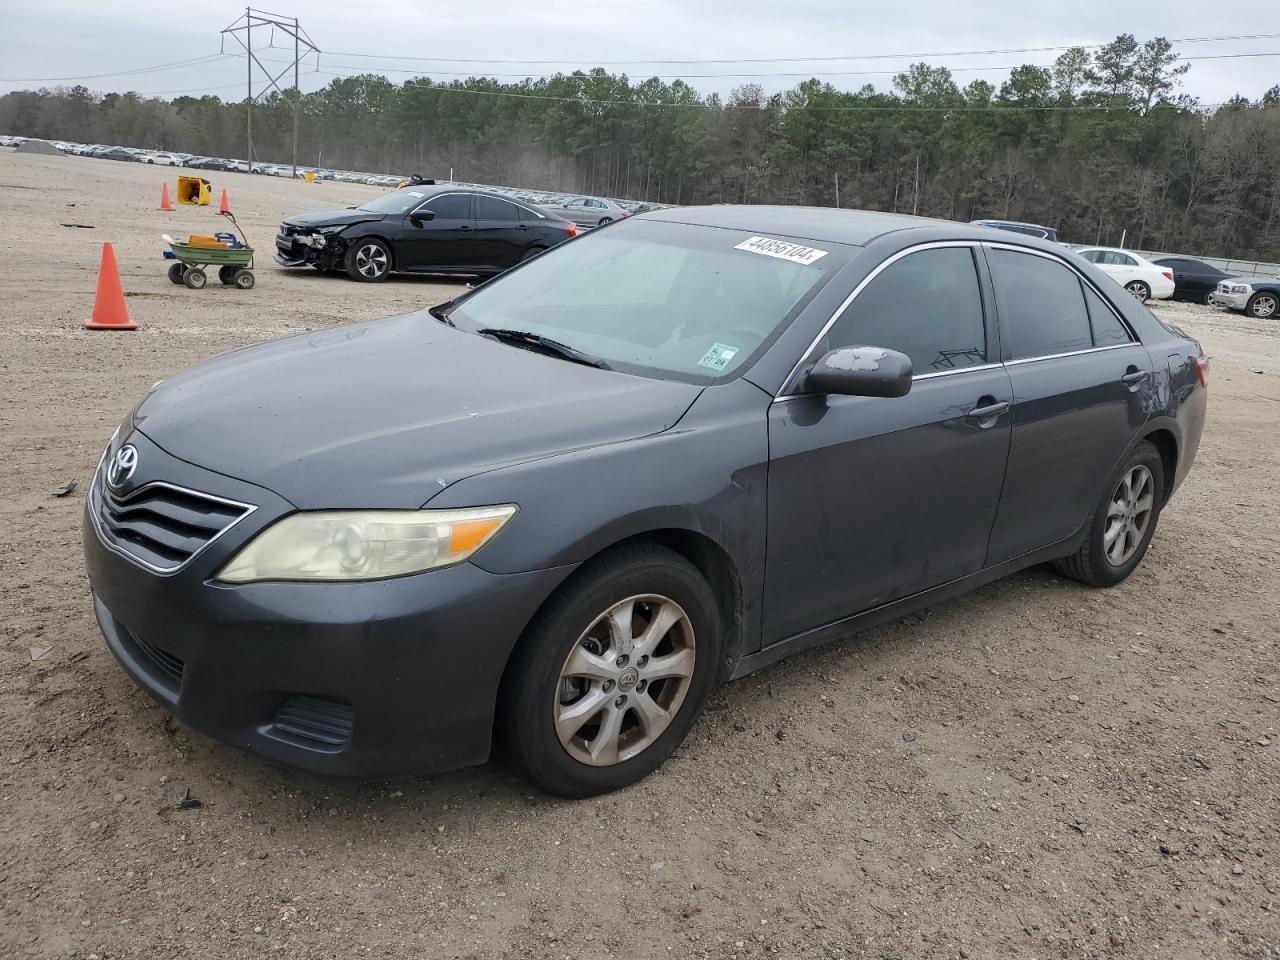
43	42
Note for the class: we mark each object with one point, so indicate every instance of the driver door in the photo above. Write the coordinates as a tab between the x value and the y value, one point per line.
872	499
446	240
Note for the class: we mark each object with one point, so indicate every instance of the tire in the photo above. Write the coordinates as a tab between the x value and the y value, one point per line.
1263	305
243	279
531	253
1091	564
368	260
574	624
177	271
227	275
603	220
1139	290
1207	299
195	278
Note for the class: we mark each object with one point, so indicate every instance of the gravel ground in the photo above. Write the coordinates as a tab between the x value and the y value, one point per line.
1037	770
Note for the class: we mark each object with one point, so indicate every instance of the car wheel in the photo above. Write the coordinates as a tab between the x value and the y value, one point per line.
1141	292
612	673
603	221
1262	305
369	261
177	272
1207	299
531	253
1123	524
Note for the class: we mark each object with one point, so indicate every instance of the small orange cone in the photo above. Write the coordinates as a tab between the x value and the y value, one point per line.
164	197
222	204
109	310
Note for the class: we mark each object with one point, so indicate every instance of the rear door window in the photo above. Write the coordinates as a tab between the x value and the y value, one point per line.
1107	328
927	305
1042	308
491	208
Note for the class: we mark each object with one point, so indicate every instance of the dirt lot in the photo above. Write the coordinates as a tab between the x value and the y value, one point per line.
1038	770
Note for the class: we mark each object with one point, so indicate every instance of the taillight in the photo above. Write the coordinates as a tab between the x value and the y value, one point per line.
1202	370
1167	274
571	229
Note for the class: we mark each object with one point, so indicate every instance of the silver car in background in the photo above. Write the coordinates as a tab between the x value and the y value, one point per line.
587	211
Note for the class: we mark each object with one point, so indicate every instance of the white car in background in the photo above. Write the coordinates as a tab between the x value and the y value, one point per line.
1142	278
163	159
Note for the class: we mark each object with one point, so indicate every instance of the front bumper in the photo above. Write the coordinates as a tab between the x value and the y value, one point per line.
1233	301
373	679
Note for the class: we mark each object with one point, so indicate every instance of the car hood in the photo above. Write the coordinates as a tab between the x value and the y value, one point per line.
331	218
389	413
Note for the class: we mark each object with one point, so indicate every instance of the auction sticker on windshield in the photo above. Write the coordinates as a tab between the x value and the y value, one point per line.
782	249
718	357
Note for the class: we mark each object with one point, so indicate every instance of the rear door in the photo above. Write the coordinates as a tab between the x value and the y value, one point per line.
447	240
500	237
1081	390
872	499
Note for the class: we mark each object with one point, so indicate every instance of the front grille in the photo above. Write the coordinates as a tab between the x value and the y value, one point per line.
316	722
168	668
159	525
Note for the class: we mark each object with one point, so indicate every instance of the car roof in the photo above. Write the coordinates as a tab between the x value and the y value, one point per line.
853	227
1011	223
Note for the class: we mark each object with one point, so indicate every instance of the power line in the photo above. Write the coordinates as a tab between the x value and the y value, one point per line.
175	65
815	59
711	76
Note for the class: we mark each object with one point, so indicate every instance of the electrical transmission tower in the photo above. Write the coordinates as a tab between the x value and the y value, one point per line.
242	30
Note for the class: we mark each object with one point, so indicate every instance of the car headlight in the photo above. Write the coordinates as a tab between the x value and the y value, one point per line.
365	544
1240	288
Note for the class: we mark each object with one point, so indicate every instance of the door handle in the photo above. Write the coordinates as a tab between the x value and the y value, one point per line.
464	227
988	410
522	226
1135	376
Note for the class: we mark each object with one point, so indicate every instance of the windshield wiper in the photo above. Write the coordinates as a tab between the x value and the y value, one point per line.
524	338
438	311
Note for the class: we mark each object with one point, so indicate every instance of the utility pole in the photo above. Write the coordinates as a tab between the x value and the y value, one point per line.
837	176
302	46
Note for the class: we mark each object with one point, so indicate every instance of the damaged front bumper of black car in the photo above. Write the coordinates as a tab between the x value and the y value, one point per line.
319	248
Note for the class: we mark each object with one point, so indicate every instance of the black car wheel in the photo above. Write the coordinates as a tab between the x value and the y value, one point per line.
368	260
1139	290
1263	305
1123	524
612	673
531	253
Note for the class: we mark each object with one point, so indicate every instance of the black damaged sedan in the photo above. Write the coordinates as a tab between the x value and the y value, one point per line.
554	513
421	229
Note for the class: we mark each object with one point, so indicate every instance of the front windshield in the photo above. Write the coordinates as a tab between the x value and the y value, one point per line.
397	201
667	299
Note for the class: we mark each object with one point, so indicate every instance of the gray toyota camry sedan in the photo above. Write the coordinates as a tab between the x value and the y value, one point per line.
554	513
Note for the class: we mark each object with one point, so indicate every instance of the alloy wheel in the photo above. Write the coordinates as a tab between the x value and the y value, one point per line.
371	260
1139	290
624	681
1128	515
1264	306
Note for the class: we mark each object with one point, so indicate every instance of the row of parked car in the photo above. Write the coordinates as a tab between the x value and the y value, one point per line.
1165	278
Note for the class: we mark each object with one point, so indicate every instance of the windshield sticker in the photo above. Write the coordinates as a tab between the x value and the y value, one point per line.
781	249
718	357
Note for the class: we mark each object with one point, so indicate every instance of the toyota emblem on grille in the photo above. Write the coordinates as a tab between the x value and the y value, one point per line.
122	465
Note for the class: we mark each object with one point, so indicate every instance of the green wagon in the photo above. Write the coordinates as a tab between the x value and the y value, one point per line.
234	263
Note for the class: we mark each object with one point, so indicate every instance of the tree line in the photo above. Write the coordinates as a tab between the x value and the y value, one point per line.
1101	145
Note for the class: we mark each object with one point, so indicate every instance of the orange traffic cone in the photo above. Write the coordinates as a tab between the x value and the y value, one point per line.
164	197
222	204
109	310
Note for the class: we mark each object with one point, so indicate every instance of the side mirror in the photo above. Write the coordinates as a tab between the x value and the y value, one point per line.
861	372
421	216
